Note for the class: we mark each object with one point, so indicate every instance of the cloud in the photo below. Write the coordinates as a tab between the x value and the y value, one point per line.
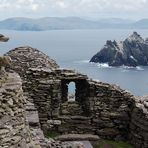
61	4
86	8
35	7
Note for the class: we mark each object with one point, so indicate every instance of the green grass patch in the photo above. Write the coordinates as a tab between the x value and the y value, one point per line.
52	134
112	144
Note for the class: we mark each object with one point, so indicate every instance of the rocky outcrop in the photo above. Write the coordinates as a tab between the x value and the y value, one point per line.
133	51
3	38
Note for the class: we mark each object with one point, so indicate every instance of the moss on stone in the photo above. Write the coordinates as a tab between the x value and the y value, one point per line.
111	144
52	134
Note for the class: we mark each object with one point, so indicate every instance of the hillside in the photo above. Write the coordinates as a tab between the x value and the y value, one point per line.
48	23
56	23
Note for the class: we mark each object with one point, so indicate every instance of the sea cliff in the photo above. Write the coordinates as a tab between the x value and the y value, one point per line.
133	51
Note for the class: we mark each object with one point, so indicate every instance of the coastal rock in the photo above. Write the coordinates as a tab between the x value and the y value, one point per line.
133	51
3	38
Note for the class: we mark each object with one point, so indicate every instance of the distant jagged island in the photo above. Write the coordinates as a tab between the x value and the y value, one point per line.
132	52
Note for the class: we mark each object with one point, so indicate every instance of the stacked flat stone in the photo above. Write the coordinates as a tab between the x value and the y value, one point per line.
139	123
13	129
24	58
27	57
14	118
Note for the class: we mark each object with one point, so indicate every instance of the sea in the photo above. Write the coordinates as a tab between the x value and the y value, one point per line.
73	49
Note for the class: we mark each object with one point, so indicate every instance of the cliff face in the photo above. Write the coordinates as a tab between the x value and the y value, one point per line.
133	51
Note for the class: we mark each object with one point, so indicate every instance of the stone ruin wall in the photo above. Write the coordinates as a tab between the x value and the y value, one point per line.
112	113
111	110
100	108
138	134
19	123
121	115
14	131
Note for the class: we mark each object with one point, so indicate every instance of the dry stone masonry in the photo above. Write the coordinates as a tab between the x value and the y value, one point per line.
19	121
13	129
97	108
139	123
26	57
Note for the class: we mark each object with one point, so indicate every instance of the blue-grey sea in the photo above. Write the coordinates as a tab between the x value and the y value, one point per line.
74	48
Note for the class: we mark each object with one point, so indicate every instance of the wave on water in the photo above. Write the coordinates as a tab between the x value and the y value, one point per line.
106	65
139	68
103	65
82	61
126	68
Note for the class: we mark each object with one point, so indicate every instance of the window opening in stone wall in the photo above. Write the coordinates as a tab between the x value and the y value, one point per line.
71	91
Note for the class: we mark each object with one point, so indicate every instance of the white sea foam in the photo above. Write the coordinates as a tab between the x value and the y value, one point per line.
139	68
133	68
103	65
126	68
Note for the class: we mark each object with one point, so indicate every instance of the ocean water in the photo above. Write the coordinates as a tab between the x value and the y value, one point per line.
73	49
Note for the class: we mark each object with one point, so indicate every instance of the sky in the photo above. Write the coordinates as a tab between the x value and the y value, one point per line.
93	9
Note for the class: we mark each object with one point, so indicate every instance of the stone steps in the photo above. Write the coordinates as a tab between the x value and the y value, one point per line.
77	137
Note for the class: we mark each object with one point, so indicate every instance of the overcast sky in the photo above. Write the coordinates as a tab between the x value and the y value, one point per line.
133	9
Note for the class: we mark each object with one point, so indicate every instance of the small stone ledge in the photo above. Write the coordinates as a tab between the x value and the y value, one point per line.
77	137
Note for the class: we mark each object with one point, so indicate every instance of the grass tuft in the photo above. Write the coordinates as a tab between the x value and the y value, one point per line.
52	134
112	144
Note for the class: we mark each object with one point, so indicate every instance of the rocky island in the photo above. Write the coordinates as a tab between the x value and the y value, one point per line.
132	52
